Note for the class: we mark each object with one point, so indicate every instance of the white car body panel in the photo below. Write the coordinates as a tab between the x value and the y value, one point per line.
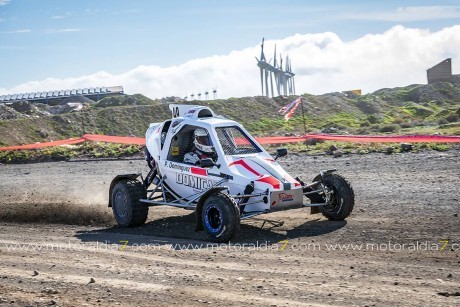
241	169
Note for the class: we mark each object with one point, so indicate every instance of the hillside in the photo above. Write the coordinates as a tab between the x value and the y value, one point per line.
427	109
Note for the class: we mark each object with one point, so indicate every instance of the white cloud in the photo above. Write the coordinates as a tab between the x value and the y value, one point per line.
22	31
63	30
17	31
411	13
322	63
4	2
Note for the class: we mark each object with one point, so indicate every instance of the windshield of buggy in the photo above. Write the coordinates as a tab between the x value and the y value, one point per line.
235	142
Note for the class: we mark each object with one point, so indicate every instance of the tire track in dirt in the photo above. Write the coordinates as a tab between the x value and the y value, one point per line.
183	268
403	198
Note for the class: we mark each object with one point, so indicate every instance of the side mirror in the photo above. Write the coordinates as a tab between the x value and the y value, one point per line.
206	162
280	152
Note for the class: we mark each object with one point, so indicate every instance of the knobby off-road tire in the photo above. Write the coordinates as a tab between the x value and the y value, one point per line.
341	201
126	207
220	217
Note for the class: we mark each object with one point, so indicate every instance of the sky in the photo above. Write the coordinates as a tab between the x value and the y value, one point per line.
183	47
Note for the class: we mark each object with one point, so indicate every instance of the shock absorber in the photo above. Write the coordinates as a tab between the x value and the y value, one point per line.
149	158
248	190
153	169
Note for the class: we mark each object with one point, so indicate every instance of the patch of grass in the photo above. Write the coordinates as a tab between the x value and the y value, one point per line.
387	117
268	125
389	128
432	146
344	120
137	99
433	106
418	110
109	150
404	93
66	152
58	153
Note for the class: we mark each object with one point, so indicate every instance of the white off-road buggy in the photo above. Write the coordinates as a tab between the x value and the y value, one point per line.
237	181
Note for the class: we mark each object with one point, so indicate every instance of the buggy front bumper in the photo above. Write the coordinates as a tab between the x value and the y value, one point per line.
286	199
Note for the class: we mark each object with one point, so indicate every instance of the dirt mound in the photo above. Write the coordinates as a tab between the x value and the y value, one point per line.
7	112
31	109
441	93
125	100
77	99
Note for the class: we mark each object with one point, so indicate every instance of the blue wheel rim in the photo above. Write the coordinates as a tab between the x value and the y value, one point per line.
213	219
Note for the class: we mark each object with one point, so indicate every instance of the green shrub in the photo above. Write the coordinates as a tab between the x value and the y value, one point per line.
373	119
389	128
451	118
443	121
406	125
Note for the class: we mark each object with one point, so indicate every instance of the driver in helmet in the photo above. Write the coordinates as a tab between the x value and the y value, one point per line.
203	148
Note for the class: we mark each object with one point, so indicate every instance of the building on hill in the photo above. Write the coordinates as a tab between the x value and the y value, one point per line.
442	72
63	96
352	93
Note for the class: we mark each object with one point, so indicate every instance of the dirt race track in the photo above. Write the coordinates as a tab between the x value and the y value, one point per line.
401	245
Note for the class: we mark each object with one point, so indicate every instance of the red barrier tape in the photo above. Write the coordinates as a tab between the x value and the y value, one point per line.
45	144
363	138
261	140
114	139
280	139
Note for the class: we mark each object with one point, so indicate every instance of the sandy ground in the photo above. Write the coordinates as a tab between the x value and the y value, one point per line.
401	246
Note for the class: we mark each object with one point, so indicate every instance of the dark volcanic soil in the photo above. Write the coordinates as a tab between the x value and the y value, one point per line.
401	245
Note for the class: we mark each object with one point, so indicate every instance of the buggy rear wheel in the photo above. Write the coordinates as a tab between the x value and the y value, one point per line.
220	218
339	197
126	207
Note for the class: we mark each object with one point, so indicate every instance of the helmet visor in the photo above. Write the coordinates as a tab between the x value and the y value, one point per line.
203	140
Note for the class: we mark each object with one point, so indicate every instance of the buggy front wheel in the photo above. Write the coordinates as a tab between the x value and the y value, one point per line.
220	218
338	195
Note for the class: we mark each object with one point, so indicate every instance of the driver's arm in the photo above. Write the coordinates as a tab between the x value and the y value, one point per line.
191	158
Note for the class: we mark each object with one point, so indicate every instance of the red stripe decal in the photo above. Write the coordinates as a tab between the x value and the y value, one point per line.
246	166
199	171
275	183
292	180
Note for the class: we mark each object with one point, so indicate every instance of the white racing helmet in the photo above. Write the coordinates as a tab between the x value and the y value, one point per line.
202	141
